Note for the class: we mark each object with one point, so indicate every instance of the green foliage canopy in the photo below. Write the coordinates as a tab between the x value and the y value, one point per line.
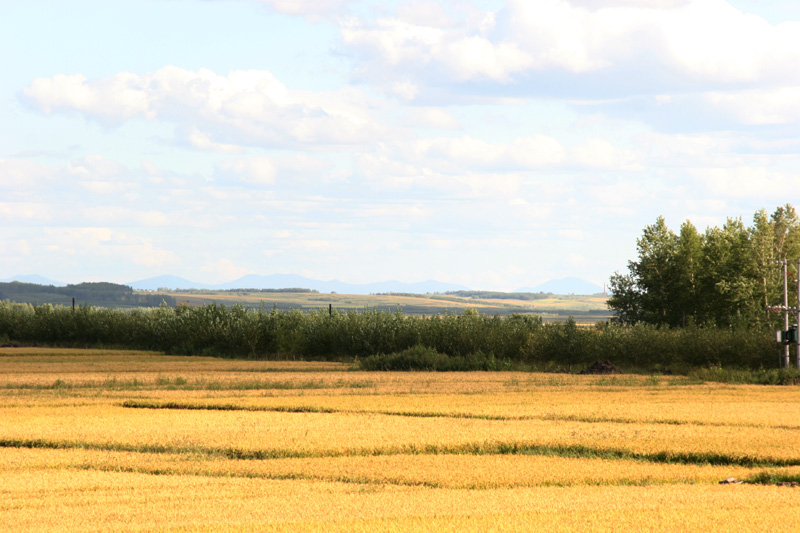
724	277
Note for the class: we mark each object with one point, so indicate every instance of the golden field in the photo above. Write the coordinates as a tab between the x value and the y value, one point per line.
122	440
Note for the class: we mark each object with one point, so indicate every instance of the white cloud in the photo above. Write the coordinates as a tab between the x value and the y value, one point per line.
225	270
600	4
576	260
312	244
304	167
745	182
10	251
470	152
286	170
430	117
308	8
424	13
218	112
686	42
572	234
405	89
72	240
102	243
712	40
396	212
25	212
622	197
254	170
477	57
123	216
759	106
398	43
599	153
203	141
94	165
19	174
452	180
103	187
111	100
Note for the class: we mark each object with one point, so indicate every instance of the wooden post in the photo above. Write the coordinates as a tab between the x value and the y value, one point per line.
330	309
73	305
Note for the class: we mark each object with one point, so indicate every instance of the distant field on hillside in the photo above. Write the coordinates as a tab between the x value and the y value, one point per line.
585	309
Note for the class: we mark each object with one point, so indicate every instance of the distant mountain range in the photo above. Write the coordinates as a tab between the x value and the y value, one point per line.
289	281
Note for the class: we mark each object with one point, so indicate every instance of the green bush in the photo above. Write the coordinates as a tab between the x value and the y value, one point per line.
467	341
745	376
424	358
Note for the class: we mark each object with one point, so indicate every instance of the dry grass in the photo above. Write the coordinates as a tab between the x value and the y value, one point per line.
103	501
309	433
461	471
713	404
389	451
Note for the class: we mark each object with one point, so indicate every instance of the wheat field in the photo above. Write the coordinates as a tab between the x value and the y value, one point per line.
120	440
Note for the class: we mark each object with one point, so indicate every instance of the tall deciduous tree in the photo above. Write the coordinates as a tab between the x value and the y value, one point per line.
726	276
626	298
688	269
655	272
729	275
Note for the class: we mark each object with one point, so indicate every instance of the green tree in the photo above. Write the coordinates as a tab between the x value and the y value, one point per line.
688	268
786	227
655	272
726	276
762	239
729	275
625	299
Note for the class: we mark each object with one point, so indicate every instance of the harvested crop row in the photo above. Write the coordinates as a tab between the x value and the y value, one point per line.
756	406
444	471
338	433
90	500
284	406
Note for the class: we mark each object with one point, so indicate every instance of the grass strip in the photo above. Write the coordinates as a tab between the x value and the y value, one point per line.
357	480
774	478
366	480
137	404
479	448
184	384
133	404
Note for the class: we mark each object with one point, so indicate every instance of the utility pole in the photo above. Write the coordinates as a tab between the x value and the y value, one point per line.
797	321
789	337
785	310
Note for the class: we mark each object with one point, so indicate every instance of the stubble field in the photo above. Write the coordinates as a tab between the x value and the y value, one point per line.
121	440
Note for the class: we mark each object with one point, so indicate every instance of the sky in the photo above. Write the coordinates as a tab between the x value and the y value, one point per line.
493	144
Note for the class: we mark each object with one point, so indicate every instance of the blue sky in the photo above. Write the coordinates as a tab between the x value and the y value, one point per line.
487	143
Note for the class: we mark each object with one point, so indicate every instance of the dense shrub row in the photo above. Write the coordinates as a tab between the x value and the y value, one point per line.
469	340
424	358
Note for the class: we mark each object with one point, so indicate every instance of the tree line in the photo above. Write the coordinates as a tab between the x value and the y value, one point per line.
724	277
97	294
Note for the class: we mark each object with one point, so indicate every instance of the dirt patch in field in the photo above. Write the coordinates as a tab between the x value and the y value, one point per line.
601	367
